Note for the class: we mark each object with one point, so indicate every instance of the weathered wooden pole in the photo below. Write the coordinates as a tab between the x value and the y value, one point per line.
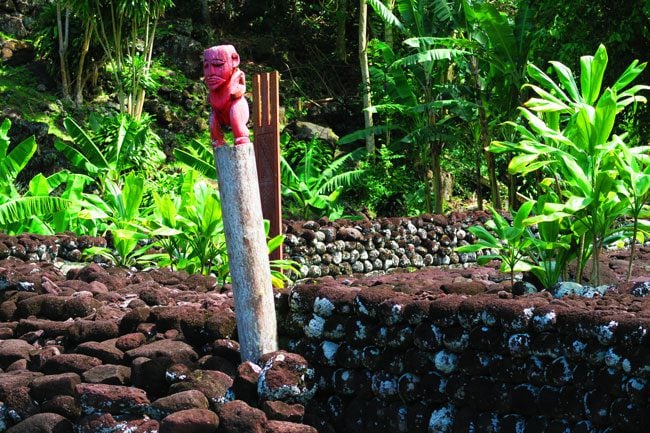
247	250
240	204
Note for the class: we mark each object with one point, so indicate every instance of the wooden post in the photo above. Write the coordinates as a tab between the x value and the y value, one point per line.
266	133
247	250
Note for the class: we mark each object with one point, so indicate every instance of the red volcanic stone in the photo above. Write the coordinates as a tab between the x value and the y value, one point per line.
19	401
286	377
237	417
13	350
281	411
190	421
46	387
93	330
114	399
92	272
21	364
65	405
302	296
134	318
288	427
349	234
369	299
139	425
70	362
97	422
444	310
468	287
213	384
110	374
7	310
228	349
149	374
43	423
40	356
14	379
177	351
206	325
105	351
50	328
335	299
191	399
130	341
55	307
213	362
245	383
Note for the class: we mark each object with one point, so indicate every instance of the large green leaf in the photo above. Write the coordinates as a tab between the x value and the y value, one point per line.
23	208
605	116
385	14
85	145
18	158
592	71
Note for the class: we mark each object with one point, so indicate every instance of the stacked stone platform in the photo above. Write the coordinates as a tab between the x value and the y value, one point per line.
392	356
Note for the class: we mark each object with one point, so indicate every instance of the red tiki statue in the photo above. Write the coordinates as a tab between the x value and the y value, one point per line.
226	86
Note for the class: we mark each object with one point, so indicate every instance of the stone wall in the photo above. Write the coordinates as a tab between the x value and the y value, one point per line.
345	247
390	359
321	247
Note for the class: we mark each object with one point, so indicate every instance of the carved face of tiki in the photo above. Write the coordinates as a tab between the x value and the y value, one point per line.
219	62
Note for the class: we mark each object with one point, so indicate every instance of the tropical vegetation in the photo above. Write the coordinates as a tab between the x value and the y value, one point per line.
479	91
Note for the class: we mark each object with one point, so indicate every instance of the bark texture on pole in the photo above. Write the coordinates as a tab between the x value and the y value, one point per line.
247	250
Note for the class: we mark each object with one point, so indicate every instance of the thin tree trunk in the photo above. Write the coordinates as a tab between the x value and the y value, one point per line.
485	139
479	178
85	46
205	13
341	21
439	200
388	29
365	75
63	47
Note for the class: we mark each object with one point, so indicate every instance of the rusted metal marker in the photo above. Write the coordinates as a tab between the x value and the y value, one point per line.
240	205
266	130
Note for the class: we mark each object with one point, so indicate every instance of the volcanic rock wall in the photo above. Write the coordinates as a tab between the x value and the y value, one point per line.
390	359
344	247
321	247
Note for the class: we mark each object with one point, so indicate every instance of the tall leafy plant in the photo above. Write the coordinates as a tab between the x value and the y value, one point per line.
126	30
111	147
17	210
570	139
313	189
190	229
121	213
420	75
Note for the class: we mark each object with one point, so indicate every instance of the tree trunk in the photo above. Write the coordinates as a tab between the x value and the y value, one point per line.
365	76
484	140
205	13
247	250
341	21
439	200
63	47
388	29
85	46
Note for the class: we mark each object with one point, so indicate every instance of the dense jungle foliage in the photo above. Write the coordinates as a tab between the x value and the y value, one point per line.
433	104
